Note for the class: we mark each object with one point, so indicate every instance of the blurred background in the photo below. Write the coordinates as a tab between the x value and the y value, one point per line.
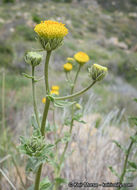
107	31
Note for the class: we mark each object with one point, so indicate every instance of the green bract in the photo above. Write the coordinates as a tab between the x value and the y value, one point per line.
33	58
98	72
50	44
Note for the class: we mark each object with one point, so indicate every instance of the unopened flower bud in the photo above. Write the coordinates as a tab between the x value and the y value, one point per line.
98	72
33	58
78	106
70	60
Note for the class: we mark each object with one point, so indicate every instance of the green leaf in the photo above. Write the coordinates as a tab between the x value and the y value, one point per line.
119	146
49	128
51	98
132	164
77	117
135	99
134	119
45	184
66	137
114	171
60	180
27	76
61	103
57	141
67	121
131	170
134	138
34	122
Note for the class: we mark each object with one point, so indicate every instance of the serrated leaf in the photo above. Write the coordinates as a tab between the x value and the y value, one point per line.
132	164
114	171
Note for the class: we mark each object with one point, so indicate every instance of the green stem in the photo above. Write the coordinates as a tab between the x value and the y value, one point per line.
126	161
34	96
72	89
75	94
44	118
71	126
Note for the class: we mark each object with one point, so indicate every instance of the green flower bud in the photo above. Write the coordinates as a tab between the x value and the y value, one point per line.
78	106
33	58
98	72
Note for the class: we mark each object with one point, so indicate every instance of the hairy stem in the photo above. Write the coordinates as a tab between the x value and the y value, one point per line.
126	161
44	118
75	80
34	96
75	94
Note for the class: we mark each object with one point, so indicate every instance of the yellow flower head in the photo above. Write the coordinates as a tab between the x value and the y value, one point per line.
56	88
56	92
67	67
81	57
98	72
51	29
43	100
50	34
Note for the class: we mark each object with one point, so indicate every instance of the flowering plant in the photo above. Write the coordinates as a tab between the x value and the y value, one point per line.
40	151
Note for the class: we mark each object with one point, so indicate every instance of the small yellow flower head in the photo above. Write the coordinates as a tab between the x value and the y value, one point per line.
55	88
70	60
78	106
51	34
33	58
56	92
81	58
43	100
67	67
98	72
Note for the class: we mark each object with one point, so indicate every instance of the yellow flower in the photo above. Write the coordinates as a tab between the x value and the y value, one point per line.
56	92
67	67
81	57
50	34
43	100
51	29
98	72
56	88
